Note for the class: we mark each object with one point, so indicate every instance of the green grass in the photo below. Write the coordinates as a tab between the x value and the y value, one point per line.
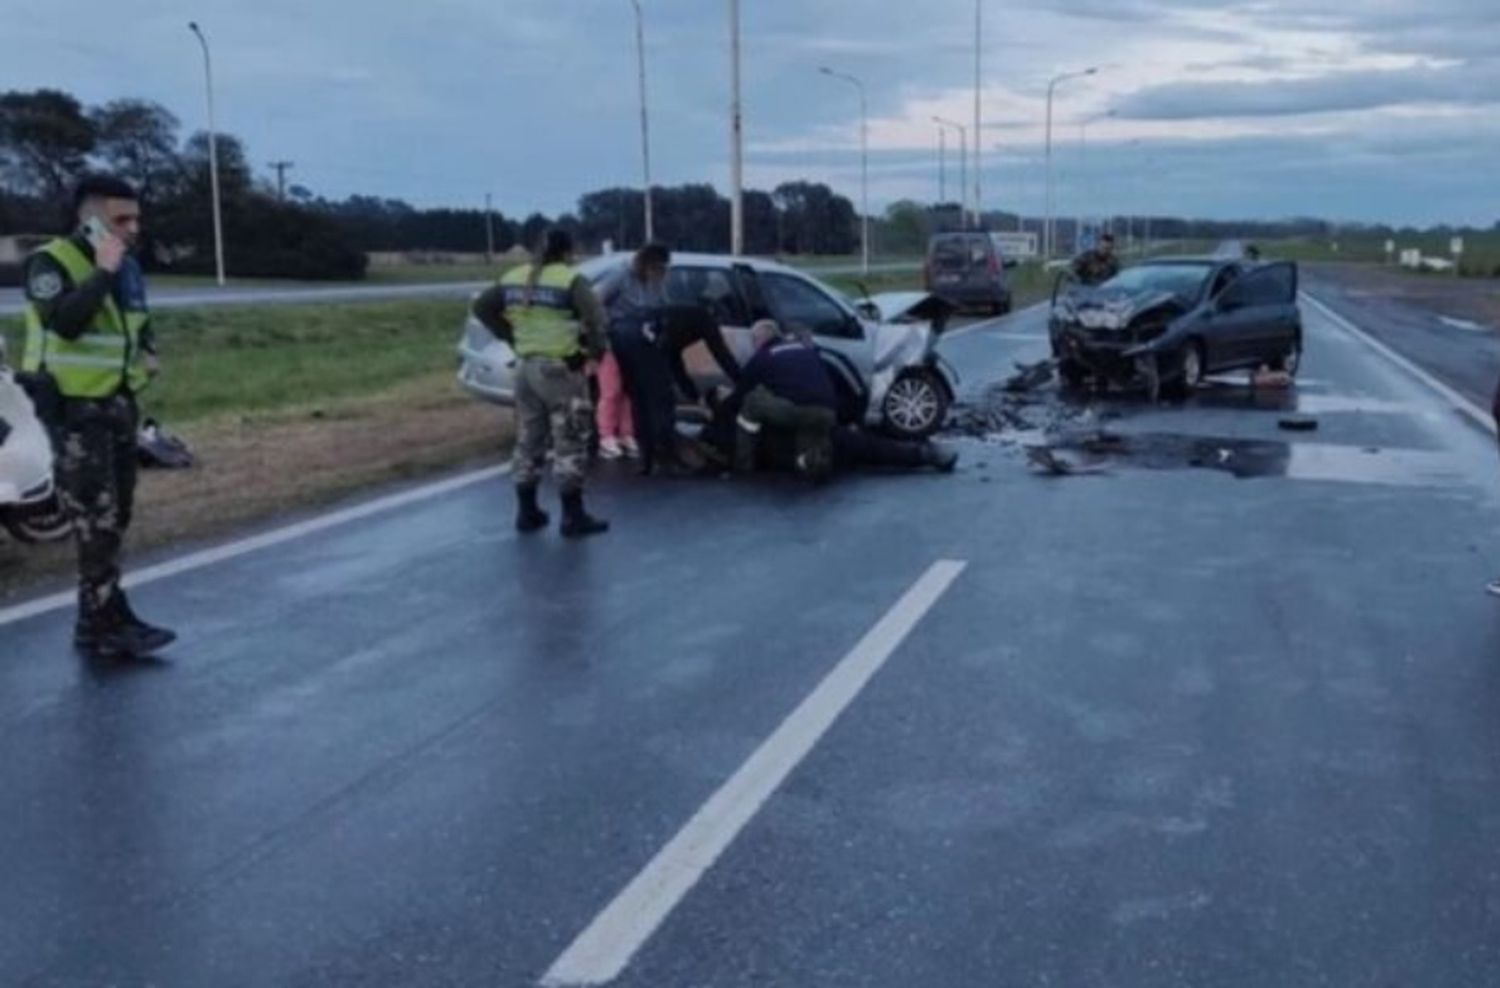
1481	251
221	361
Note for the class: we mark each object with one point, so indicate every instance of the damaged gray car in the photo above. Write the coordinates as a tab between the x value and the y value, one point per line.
1168	324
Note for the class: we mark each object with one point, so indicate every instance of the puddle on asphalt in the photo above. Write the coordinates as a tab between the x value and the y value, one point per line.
1249	459
1065	435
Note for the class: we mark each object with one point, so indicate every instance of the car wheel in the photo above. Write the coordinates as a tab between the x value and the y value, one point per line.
1189	376
1193	367
916	405
37	523
1291	361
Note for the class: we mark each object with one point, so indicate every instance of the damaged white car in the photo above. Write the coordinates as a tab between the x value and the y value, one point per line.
881	351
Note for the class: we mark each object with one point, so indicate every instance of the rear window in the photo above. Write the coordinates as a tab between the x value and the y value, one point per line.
960	253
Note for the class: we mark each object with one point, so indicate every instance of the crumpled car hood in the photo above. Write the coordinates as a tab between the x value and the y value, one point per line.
911	307
1110	308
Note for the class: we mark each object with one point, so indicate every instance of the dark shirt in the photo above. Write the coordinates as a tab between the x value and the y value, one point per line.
1094	268
68	309
680	327
788	369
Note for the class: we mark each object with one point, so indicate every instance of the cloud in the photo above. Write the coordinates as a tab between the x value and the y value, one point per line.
1338	92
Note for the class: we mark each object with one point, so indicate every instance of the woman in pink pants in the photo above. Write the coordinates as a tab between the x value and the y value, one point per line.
613	416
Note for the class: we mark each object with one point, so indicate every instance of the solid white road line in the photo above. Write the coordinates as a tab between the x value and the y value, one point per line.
280	536
1479	416
601	952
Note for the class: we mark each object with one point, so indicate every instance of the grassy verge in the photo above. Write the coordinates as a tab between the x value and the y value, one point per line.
1481	256
290	407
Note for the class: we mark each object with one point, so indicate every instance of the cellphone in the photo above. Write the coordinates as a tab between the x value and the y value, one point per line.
95	231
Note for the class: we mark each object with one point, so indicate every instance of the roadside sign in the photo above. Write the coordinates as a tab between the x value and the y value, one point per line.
1456	247
1390	247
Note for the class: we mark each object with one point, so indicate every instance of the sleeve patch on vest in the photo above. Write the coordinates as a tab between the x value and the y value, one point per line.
44	285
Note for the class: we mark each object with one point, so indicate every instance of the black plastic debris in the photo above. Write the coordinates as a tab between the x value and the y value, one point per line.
1299	423
157	448
1029	377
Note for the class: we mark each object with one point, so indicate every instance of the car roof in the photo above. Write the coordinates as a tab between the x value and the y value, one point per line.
1199	261
607	262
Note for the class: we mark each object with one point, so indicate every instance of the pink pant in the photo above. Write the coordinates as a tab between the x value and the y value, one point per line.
613	415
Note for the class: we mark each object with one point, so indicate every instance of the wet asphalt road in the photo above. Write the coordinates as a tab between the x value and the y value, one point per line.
1167	726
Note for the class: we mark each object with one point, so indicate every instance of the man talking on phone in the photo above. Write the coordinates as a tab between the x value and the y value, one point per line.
89	344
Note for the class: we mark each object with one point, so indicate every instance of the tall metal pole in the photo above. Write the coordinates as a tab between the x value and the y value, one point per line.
736	132
963	157
213	155
640	47
1050	239
864	164
978	126
942	165
1083	155
489	230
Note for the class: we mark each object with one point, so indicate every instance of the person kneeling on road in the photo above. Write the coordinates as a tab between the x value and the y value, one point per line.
549	315
784	415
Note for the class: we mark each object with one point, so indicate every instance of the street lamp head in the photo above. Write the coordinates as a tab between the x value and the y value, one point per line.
1092	71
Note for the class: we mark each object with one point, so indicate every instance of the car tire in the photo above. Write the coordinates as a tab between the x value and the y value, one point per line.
35	524
916	405
1290	362
1189	377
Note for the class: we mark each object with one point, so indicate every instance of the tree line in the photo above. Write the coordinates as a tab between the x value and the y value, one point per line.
48	138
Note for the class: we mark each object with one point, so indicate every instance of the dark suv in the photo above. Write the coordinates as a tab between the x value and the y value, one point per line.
968	270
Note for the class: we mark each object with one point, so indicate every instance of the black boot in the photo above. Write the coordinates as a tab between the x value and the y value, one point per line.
529	515
107	637
578	523
147	638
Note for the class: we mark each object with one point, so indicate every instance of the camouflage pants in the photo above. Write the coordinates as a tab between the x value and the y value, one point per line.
552	408
96	475
811	428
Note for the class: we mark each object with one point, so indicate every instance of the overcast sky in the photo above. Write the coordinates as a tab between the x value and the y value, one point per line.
1377	110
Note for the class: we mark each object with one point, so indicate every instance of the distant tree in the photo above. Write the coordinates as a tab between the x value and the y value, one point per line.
45	141
762	223
138	140
532	230
816	221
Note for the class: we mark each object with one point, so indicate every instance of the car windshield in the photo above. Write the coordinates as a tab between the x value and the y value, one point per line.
1184	280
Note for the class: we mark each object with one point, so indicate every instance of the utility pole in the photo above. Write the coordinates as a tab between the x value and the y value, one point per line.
280	168
489	230
942	165
963	158
640	48
736	138
1050	233
978	132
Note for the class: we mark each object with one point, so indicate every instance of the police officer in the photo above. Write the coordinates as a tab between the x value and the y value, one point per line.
549	315
1096	266
89	344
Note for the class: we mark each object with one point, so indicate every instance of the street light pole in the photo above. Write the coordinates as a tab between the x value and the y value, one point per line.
963	158
864	163
942	165
978	129
640	47
213	155
736	135
1050	230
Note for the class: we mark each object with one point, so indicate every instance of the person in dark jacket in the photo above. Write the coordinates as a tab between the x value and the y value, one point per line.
1096	266
785	417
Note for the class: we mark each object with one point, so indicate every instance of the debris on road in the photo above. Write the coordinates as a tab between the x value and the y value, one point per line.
1299	423
1266	379
1046	460
1029	377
